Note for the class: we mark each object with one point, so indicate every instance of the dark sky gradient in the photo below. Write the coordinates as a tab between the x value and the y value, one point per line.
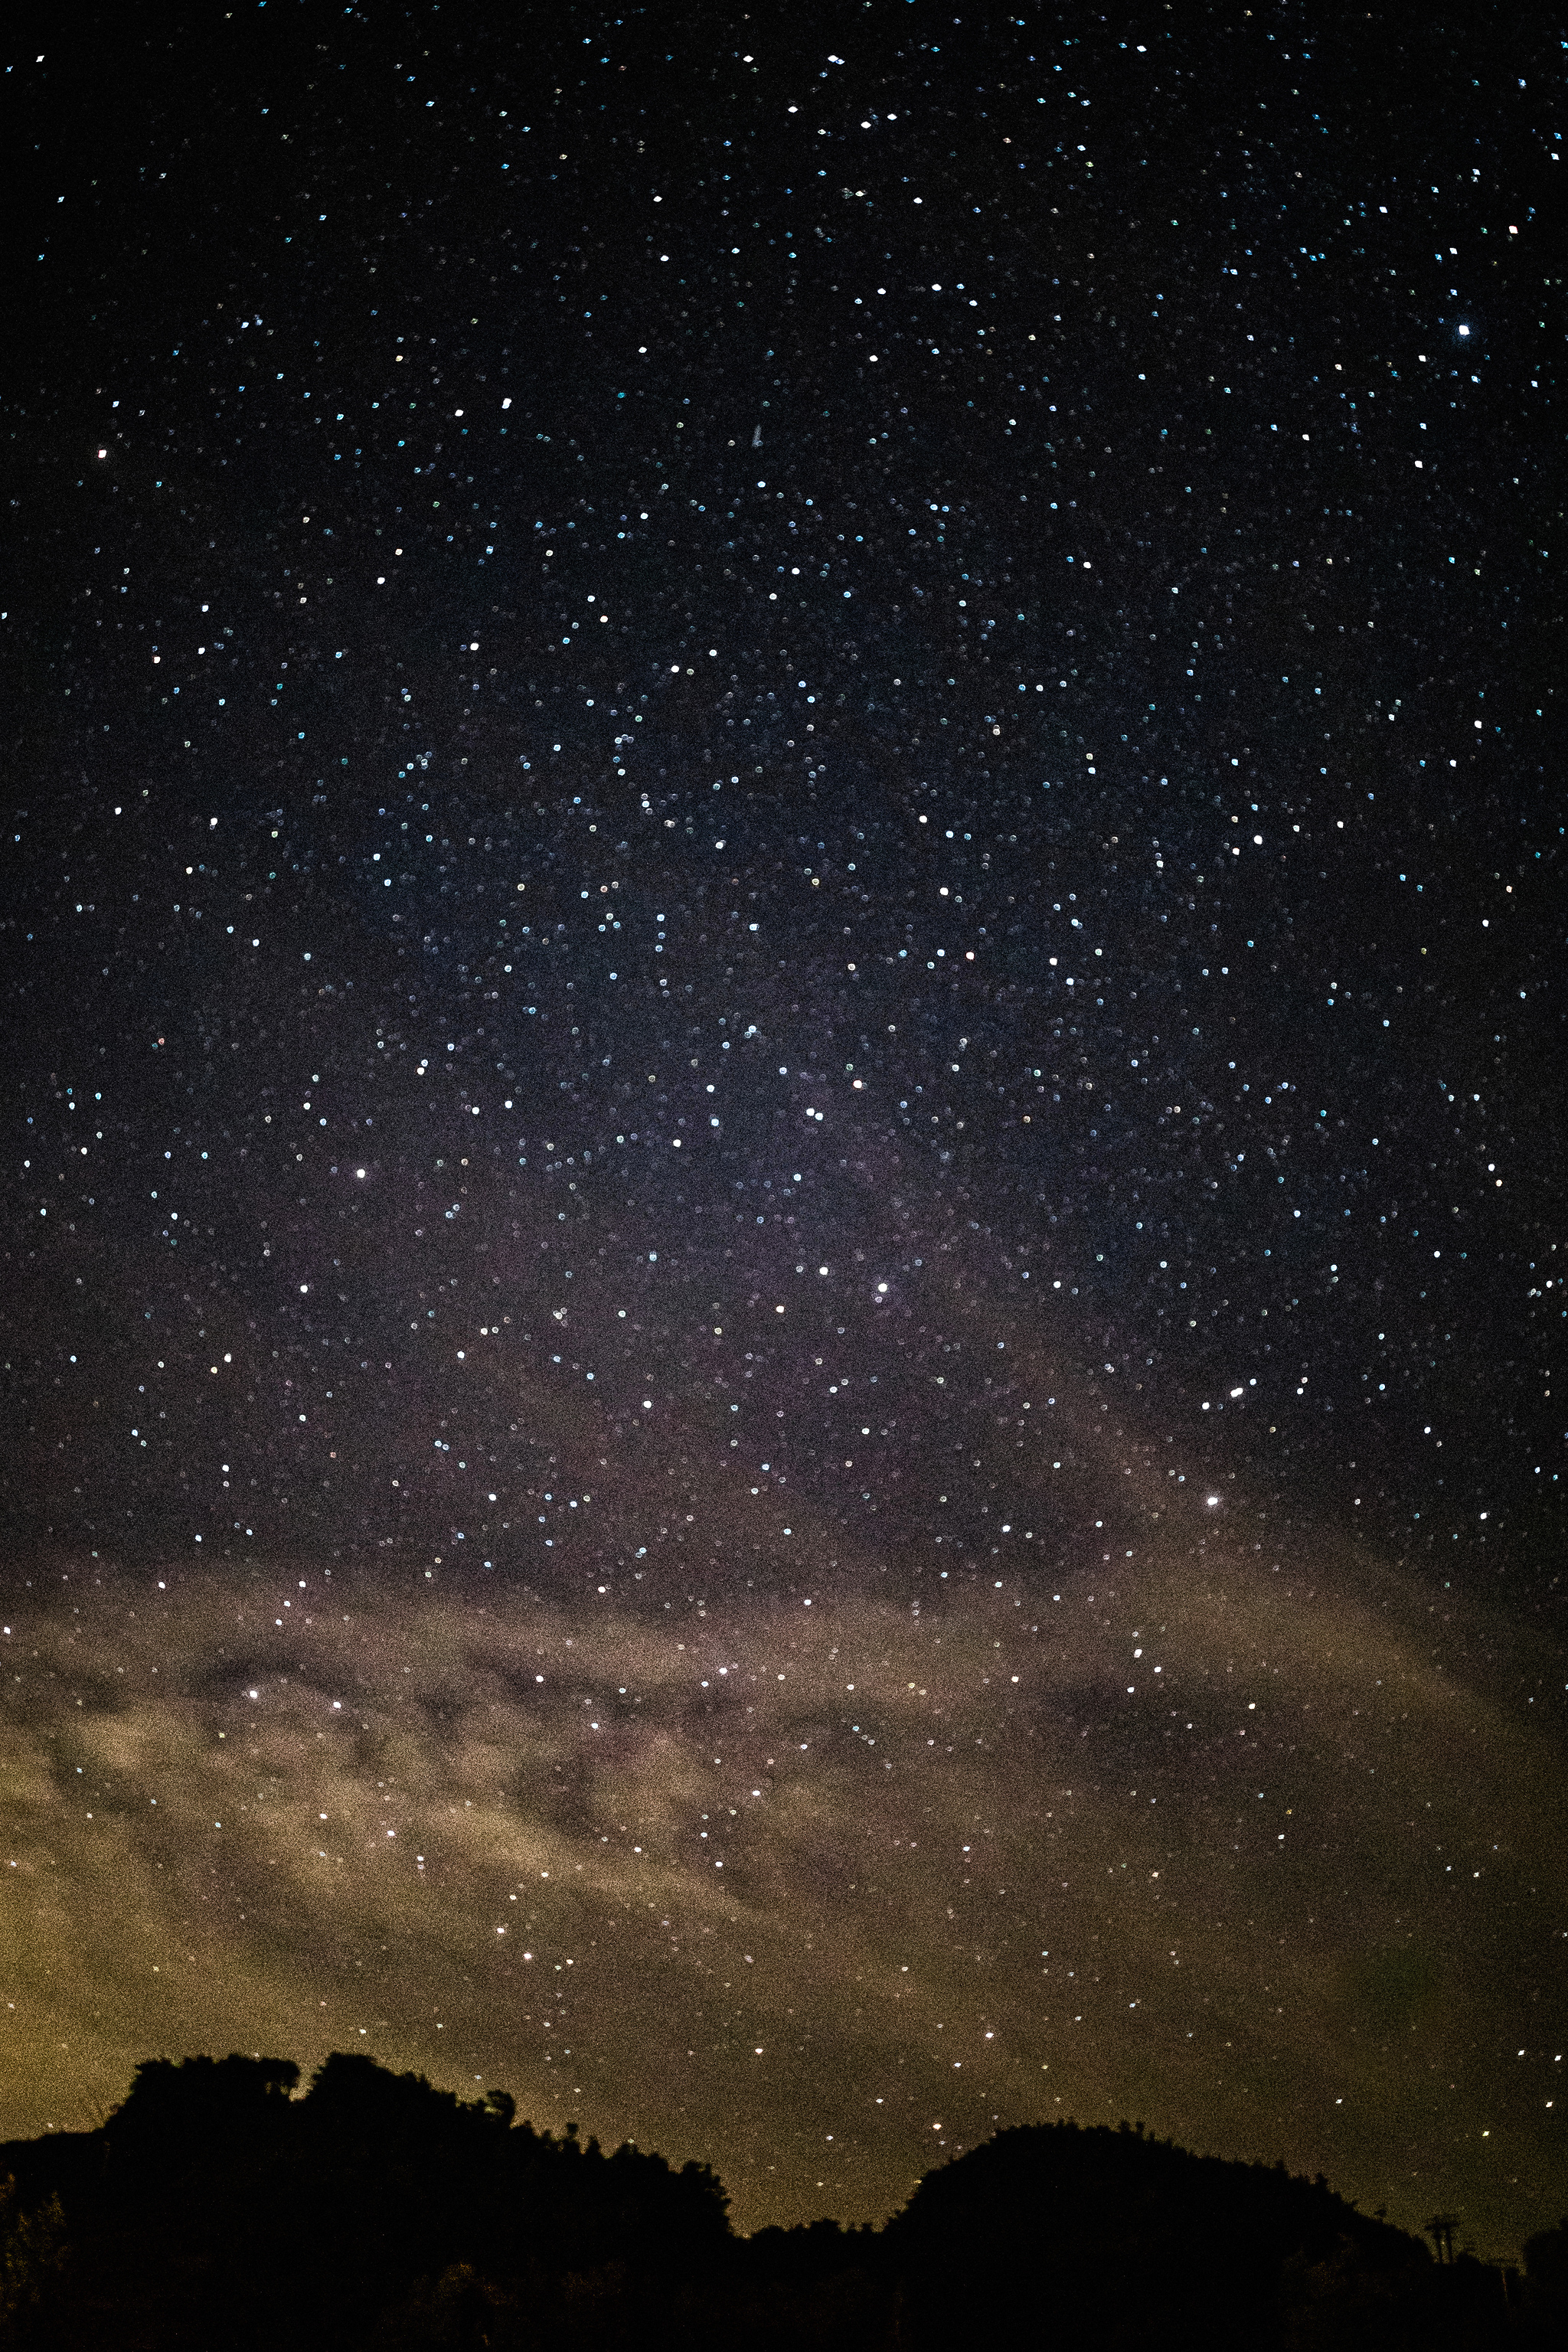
724	722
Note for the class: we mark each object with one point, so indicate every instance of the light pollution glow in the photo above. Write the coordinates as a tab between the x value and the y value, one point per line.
814	1892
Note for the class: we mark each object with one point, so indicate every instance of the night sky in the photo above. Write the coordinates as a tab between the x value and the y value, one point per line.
783	1081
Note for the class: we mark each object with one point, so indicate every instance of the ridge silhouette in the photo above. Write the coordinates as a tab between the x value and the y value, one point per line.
219	2210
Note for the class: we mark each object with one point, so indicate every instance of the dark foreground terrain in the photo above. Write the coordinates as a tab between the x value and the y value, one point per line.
219	2210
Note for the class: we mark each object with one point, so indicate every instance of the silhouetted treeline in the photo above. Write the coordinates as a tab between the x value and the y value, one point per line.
217	2210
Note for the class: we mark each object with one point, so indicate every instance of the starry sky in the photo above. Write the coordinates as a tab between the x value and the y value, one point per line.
720	721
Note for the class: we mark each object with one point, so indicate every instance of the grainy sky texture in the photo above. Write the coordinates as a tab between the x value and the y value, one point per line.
783	962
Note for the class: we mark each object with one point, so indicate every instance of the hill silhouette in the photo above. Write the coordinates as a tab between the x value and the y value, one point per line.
220	2210
1121	2240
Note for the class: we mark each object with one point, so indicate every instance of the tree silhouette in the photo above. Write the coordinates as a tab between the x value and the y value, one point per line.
32	2255
190	2103
1546	2270
217	2210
